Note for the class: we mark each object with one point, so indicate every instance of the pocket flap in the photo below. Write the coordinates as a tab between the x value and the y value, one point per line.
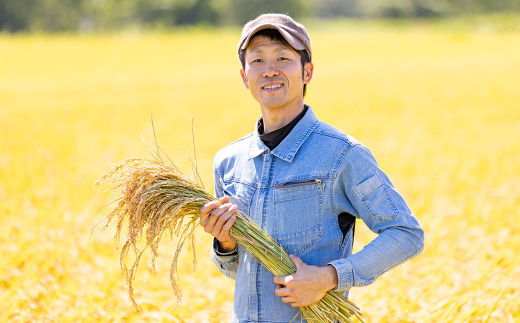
364	189
239	191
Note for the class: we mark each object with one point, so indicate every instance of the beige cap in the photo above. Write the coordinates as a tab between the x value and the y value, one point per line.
293	32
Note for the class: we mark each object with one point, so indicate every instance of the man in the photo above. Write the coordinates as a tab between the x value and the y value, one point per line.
303	181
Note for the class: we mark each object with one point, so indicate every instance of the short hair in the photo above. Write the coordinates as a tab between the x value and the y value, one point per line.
275	35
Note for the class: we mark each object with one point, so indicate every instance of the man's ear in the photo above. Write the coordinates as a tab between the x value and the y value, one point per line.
307	72
244	78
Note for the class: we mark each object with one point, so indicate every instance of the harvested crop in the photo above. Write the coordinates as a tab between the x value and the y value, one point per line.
156	198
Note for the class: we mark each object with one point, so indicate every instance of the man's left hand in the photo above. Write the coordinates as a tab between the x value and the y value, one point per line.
308	285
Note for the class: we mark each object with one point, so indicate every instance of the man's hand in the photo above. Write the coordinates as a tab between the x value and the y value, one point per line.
308	285
217	220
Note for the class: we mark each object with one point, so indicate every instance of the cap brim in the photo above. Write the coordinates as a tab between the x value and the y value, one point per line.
292	40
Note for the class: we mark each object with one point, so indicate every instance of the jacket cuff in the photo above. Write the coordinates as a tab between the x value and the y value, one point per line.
345	273
233	252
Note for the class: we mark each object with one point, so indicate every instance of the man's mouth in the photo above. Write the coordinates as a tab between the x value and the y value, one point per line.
272	87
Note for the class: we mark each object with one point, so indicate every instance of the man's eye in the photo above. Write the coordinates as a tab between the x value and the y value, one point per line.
283	58
258	60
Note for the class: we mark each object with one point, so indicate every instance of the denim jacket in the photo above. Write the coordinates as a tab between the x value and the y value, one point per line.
296	192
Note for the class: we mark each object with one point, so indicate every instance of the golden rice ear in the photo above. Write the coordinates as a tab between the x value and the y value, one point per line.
153	198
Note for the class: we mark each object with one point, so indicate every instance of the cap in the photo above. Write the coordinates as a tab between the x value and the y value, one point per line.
293	32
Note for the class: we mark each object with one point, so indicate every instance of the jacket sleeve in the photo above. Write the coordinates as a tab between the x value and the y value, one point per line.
227	262
361	184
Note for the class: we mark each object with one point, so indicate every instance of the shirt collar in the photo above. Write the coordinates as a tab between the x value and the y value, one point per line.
288	148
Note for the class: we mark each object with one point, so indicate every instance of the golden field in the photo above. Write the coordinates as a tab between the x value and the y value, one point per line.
438	107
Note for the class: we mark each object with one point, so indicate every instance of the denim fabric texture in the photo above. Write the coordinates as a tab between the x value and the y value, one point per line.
296	192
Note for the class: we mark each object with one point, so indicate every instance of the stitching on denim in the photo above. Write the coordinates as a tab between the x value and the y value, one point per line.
233	179
303	138
250	298
265	199
290	156
313	229
317	228
394	213
351	273
303	248
368	281
332	205
345	243
333	202
234	142
391	202
409	256
275	217
266	196
334	211
259	293
372	213
345	273
341	157
363	195
247	203
276	202
295	198
328	134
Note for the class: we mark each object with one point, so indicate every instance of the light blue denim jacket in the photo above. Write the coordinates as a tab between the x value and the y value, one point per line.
296	192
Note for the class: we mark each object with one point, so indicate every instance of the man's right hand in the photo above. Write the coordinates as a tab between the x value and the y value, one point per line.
217	220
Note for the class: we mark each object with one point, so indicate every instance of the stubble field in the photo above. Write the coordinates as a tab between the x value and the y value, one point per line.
438	107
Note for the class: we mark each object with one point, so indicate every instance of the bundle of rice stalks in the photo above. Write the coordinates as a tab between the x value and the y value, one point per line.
156	198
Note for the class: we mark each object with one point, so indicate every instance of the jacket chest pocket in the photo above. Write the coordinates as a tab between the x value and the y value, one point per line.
239	194
298	213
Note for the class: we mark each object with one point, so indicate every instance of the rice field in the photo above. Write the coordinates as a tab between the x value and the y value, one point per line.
439	106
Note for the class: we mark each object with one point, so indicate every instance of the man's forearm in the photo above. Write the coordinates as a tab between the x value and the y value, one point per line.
392	247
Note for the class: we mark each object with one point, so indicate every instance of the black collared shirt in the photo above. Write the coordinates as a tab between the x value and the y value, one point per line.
275	137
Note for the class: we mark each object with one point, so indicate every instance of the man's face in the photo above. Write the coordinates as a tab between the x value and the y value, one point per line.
273	73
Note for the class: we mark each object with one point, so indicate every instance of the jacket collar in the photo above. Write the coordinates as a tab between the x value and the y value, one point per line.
288	148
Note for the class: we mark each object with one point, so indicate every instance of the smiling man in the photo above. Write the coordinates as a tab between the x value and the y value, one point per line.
303	181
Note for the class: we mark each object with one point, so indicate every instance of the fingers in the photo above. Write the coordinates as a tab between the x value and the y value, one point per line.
289	299
207	209
297	261
219	219
282	290
229	223
283	280
214	216
222	220
287	295
297	304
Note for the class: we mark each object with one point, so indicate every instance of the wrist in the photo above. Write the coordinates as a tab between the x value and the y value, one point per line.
226	246
332	277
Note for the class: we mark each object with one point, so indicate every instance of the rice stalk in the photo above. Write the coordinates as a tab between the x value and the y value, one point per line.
155	198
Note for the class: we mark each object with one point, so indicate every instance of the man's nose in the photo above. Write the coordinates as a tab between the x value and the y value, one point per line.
271	71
